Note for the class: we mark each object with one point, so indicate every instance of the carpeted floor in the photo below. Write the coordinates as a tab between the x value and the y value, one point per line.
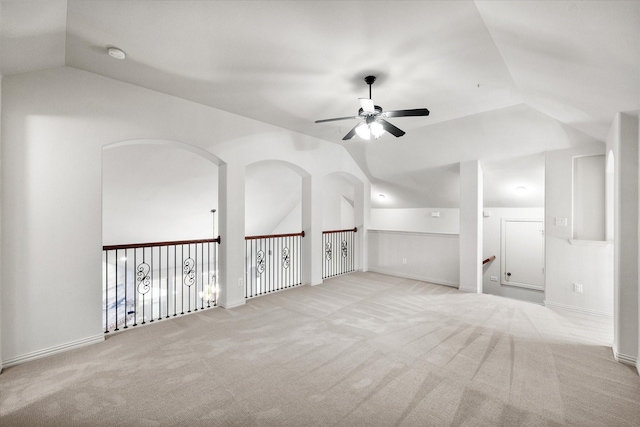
359	350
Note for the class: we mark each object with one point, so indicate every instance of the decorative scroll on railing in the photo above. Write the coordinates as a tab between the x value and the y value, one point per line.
338	252
272	263
146	282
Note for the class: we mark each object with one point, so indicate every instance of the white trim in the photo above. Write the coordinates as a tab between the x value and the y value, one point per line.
623	358
419	233
233	304
578	309
53	350
409	276
578	242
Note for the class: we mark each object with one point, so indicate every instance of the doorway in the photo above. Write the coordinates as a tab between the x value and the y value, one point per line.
522	257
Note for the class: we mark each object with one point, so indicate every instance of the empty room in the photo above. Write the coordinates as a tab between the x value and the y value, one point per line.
319	213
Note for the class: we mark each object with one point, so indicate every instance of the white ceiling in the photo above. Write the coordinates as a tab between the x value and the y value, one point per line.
503	80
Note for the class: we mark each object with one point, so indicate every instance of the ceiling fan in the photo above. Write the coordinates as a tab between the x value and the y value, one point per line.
374	123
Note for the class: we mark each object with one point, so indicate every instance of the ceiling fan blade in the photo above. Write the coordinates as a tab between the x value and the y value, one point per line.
407	113
367	105
390	128
337	118
351	133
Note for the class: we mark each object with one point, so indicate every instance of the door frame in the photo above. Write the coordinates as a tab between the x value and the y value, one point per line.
503	254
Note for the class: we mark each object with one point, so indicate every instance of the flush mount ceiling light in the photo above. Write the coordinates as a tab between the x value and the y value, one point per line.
381	196
114	52
521	191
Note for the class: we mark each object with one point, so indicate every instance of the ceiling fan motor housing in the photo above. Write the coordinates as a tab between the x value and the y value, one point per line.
377	112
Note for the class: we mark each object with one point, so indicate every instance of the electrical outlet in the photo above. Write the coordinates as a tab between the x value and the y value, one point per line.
404	260
493	278
240	282
577	287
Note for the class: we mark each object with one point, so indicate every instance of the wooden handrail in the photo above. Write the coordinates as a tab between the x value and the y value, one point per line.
354	229
154	244
491	258
270	236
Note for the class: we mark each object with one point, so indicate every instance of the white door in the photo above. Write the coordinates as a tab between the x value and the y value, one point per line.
522	253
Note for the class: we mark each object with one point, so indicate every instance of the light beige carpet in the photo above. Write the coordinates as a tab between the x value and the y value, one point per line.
360	350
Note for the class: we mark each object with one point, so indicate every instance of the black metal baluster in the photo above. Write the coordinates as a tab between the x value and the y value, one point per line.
254	274
215	273
126	285
182	281
116	303
159	282
175	278
135	288
151	299
270	269
144	317
353	250
168	272
106	292
209	274
195	294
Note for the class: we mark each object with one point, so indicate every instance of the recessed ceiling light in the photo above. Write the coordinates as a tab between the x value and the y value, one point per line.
381	196
114	52
521	190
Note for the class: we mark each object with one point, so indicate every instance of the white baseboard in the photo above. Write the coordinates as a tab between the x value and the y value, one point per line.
412	277
52	350
627	360
233	304
578	309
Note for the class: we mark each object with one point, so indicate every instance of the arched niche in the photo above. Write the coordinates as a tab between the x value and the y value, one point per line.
339	195
157	190
273	197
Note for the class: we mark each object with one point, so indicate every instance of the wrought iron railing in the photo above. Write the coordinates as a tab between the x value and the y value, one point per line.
338	252
272	263
146	282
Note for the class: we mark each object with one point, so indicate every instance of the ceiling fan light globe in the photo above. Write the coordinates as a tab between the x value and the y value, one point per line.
363	131
376	129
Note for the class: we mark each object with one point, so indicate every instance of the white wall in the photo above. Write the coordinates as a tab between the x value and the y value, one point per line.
156	192
581	262
55	124
1	222
417	219
491	245
421	256
623	141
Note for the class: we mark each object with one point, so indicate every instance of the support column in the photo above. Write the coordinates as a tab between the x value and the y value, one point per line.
624	141
312	226
231	203
362	213
471	227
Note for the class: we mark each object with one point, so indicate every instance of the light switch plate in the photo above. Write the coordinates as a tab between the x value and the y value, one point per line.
561	222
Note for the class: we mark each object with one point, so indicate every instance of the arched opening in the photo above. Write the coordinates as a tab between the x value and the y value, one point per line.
340	204
160	248
274	220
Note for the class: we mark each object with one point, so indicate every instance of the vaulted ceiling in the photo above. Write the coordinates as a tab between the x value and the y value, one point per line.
504	80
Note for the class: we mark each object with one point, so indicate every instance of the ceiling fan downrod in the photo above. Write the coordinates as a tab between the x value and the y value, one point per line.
369	80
